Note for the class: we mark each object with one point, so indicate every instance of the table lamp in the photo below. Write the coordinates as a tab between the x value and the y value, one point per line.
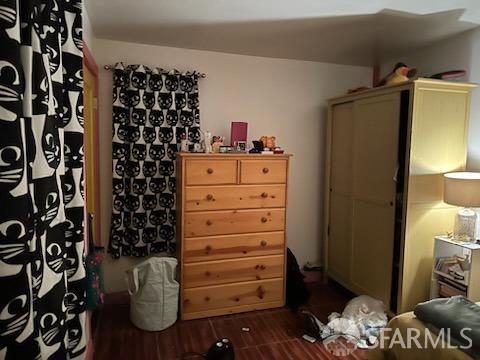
463	189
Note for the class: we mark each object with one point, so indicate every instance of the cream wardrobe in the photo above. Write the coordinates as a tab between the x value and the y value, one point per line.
387	149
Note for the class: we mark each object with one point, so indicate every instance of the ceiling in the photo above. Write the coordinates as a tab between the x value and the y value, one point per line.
337	31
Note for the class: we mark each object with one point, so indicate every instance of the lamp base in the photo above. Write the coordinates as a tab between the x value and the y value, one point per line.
465	225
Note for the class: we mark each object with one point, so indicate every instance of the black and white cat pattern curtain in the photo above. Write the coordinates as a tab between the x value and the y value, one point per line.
152	110
42	295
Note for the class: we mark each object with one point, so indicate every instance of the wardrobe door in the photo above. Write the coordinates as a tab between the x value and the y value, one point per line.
438	145
375	149
339	243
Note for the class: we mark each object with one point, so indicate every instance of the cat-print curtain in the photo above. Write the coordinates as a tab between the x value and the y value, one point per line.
152	110
42	292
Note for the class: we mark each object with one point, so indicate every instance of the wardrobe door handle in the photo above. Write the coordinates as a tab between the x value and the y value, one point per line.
265	170
210	170
395	174
264	219
209	197
263	243
264	195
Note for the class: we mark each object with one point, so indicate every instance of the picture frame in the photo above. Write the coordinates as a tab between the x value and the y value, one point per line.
241	146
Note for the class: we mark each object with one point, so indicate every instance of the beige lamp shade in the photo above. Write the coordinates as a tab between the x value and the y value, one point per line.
462	189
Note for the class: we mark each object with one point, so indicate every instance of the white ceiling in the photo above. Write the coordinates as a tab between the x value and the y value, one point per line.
340	31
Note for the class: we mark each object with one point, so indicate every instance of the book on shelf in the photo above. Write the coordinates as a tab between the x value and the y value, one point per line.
447	290
455	265
453	283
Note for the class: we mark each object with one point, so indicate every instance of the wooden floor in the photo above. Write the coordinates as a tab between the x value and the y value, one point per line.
274	334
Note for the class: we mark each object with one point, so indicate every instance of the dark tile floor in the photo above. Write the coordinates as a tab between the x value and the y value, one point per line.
274	334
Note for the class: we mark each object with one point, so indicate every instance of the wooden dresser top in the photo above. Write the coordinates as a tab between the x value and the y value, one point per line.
236	155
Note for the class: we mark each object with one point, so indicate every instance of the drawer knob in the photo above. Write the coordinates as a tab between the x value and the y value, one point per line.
262	267
264	195
210	170
264	219
263	243
265	170
209	222
260	292
207	298
207	273
209	197
208	248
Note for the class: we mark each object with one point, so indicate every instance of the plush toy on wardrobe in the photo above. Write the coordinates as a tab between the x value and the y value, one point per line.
399	74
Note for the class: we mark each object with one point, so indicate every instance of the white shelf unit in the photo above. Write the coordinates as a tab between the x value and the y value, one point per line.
443	283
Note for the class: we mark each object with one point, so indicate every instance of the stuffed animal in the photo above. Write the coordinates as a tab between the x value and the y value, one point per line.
400	73
268	141
217	141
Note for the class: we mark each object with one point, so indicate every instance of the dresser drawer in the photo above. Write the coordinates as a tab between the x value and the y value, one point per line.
263	171
230	296
233	246
229	271
234	197
233	222
210	172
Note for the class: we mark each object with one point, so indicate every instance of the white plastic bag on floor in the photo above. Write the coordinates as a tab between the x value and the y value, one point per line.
362	318
366	310
153	293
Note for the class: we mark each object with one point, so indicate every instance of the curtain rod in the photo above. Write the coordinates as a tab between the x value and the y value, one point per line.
112	67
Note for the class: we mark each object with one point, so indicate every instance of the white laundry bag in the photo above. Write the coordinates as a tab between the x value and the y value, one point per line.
153	293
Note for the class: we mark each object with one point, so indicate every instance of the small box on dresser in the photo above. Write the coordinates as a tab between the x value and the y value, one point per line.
231	226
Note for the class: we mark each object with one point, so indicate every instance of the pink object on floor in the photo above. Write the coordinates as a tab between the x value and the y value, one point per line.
312	276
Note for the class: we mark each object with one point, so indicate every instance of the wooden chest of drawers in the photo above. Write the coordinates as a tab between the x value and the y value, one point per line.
231	216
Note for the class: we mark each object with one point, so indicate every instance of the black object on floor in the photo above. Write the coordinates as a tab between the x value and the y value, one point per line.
222	349
312	325
297	293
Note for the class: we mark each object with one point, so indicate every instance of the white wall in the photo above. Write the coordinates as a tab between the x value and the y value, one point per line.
278	97
459	52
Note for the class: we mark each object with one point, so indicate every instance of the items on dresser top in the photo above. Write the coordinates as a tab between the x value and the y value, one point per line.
231	230
257	147
217	142
238	133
